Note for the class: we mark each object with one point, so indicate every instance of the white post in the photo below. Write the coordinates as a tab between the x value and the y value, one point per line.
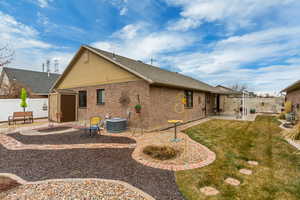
243	106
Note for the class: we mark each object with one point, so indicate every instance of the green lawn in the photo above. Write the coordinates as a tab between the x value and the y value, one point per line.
276	177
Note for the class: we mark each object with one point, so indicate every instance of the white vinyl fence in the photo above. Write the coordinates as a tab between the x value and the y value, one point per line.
39	107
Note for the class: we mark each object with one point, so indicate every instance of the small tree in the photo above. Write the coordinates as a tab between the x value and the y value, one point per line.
288	107
23	99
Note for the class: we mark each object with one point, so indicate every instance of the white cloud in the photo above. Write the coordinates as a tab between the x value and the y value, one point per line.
129	31
184	24
233	13
42	19
19	35
231	59
43	3
32	59
144	45
123	11
240	51
30	50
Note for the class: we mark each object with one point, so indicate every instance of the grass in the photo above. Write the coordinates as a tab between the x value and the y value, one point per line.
160	152
235	142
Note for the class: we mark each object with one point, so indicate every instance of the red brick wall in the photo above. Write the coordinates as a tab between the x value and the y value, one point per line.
112	106
159	104
294	97
166	104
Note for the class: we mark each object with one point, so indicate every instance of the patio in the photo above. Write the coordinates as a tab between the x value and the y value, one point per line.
249	117
69	153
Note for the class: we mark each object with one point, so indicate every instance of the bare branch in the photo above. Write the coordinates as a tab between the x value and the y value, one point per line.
6	55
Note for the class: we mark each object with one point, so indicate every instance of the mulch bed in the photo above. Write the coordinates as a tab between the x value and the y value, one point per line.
75	137
53	129
7	184
117	164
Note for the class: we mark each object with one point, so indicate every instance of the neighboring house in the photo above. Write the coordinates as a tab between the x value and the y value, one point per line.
293	95
36	83
100	83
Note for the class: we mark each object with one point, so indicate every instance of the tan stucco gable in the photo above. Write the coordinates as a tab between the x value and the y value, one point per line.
89	69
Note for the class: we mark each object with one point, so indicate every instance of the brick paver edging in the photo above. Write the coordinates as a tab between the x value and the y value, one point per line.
12	144
126	185
290	141
211	156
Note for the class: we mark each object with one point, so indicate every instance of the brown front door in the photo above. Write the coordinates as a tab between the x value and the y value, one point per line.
68	108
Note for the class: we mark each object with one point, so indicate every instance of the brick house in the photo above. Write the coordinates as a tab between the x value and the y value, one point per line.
100	83
293	95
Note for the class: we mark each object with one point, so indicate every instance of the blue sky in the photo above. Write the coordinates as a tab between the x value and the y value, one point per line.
250	42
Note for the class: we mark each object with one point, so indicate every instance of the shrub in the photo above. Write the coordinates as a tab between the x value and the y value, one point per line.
252	111
288	107
160	152
294	134
281	115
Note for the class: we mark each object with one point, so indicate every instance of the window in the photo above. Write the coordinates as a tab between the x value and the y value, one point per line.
82	99
189	98
207	98
100	96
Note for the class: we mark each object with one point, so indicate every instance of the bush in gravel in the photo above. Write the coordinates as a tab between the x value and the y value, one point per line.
7	184
160	152
281	115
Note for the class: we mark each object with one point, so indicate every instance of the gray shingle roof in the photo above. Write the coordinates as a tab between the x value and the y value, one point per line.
38	82
292	87
158	75
228	90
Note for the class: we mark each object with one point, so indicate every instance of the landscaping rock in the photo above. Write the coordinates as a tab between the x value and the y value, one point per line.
89	189
209	191
245	171
251	162
232	181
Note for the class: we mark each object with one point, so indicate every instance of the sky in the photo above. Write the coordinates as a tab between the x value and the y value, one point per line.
250	42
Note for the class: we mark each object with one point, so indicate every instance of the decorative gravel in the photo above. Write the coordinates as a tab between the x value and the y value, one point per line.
72	190
74	137
115	164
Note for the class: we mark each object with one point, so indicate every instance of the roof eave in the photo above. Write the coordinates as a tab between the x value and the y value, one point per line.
180	87
42	94
120	65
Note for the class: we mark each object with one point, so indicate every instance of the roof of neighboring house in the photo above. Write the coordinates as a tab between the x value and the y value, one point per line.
228	90
38	82
152	74
292	87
